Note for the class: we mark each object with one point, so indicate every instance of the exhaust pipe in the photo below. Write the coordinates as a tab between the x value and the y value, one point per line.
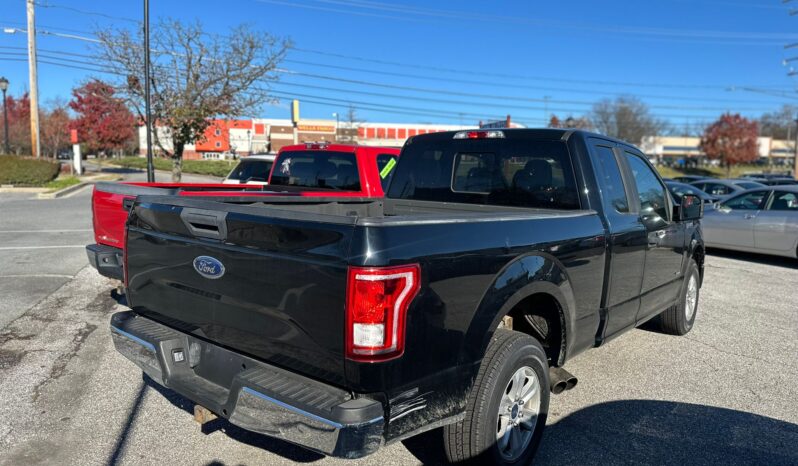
561	380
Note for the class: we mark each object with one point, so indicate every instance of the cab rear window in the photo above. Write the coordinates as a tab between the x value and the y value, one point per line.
525	173
317	169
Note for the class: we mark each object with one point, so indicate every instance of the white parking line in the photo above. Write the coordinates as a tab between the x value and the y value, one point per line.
47	231
68	246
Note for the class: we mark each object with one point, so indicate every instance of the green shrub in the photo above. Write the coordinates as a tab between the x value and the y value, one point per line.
25	171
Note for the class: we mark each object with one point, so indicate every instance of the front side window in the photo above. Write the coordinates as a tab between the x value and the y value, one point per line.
316	169
784	201
747	201
649	189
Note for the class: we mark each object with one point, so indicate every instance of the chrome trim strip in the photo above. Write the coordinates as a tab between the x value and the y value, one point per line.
138	340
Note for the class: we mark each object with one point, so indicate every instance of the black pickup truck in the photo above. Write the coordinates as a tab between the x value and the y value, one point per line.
450	306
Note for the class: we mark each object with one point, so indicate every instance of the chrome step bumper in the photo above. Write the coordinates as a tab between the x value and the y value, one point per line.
249	393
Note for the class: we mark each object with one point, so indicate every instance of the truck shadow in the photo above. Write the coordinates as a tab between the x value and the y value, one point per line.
657	432
616	432
763	259
270	444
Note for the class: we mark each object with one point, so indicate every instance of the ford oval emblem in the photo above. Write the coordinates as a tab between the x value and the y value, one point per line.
209	267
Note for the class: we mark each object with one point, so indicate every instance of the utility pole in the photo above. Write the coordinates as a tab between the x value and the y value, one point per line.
147	113
34	81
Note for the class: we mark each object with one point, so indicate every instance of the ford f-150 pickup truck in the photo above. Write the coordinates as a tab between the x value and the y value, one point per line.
448	308
320	170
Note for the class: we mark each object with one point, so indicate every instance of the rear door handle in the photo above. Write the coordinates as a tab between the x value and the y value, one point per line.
748	216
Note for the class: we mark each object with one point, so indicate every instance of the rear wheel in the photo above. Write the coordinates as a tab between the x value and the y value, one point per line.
507	406
679	319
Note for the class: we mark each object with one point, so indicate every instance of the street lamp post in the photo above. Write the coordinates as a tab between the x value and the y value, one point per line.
147	112
4	88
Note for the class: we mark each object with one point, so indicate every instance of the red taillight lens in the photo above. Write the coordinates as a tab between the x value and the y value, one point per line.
376	306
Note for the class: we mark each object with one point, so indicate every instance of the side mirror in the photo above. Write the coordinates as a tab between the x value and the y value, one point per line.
691	208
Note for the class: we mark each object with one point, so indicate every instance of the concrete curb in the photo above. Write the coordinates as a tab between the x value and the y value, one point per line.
11	189
65	191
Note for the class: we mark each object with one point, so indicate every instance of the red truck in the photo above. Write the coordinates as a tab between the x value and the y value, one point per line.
319	170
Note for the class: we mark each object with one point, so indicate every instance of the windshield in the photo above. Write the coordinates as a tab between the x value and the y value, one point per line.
251	170
520	172
317	169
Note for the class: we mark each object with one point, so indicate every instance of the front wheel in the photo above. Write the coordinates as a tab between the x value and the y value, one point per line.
507	406
679	319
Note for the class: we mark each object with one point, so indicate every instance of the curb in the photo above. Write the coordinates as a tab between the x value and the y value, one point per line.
11	189
65	191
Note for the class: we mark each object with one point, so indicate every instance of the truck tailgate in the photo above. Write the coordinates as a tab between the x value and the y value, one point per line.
266	282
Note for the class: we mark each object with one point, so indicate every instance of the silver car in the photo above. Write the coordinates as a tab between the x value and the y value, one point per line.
757	220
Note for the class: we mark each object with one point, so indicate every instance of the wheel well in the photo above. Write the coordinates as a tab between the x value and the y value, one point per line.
541	317
698	255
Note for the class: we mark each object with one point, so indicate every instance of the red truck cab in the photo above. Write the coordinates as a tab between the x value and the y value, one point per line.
329	170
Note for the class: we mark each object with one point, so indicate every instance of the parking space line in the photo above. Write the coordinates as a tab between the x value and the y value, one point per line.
83	230
66	246
39	275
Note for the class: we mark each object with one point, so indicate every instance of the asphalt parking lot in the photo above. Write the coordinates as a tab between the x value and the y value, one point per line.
724	394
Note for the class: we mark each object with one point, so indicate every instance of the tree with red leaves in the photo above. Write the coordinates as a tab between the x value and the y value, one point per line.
19	124
104	122
732	140
554	122
55	129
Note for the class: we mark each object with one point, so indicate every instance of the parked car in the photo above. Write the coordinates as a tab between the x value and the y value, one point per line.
723	188
688	178
368	168
342	324
777	181
763	220
765	176
679	189
254	169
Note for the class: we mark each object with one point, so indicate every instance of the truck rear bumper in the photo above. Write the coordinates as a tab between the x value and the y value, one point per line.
249	393
106	259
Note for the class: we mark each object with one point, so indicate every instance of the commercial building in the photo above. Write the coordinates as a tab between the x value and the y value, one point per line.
686	149
235	138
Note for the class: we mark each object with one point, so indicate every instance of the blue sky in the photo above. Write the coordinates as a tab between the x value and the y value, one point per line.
458	62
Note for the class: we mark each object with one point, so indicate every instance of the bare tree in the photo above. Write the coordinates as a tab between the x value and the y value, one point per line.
195	77
626	118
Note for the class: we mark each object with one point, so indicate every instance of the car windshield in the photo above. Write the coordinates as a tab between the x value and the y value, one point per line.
317	169
251	170
509	172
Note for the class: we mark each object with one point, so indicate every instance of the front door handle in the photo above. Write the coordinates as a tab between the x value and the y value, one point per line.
660	234
748	216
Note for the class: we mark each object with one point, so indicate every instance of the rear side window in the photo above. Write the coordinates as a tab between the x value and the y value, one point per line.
748	185
524	173
317	169
251	170
611	179
385	167
784	201
717	189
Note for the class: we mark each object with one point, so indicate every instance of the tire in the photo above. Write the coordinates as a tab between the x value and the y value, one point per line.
478	437
679	319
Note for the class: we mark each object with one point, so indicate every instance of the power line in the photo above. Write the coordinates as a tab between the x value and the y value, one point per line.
405	10
519	76
85	12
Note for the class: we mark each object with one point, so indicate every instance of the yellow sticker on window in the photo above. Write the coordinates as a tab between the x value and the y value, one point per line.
386	170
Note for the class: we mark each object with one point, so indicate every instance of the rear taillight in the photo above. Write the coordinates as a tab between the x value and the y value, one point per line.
377	299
